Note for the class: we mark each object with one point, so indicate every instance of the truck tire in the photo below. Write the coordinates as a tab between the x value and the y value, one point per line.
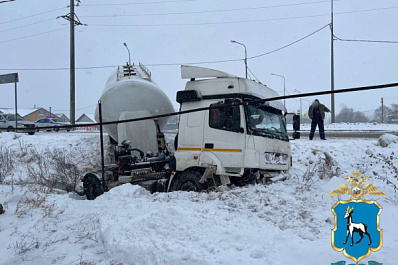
31	133
56	129
92	187
188	181
10	129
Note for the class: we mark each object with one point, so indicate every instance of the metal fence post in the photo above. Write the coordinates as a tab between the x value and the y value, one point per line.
102	146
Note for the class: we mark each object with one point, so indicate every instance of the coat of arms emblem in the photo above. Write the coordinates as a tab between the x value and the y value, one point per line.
356	229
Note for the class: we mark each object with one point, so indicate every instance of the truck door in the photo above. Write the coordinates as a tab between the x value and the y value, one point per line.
224	135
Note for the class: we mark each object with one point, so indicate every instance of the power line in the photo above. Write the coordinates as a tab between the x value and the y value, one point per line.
253	74
168	64
142	3
377	41
27	25
252	57
238	21
244	102
33	35
210	11
5	1
204	23
45	12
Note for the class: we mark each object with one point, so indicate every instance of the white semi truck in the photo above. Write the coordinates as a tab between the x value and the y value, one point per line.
236	140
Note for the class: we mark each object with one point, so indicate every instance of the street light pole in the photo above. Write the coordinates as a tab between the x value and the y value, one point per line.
128	51
301	105
233	41
284	88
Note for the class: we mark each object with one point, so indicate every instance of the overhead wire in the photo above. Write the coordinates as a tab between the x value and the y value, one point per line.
139	3
374	41
258	80
245	102
235	22
290	44
24	37
27	25
38	14
208	11
169	64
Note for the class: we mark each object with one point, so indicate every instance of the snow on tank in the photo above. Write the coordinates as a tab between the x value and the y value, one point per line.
131	89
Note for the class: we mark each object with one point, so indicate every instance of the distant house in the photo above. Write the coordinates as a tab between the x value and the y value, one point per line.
33	114
63	117
86	118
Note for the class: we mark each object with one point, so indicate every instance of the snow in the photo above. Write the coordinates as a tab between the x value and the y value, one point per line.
371	126
387	139
287	222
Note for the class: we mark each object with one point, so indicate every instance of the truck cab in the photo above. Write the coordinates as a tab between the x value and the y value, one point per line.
239	138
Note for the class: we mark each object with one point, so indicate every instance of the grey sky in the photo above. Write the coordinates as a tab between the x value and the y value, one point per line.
153	40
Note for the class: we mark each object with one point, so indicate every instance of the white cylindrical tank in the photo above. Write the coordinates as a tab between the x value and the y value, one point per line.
132	90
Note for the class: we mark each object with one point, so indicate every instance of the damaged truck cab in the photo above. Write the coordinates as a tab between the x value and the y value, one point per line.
238	143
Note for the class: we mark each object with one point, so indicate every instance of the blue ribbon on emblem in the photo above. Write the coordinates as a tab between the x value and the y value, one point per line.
372	262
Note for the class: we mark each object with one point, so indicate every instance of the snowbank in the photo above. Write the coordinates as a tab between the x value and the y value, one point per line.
387	139
287	222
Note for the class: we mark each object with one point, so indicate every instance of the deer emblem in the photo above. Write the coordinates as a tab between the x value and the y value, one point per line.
352	227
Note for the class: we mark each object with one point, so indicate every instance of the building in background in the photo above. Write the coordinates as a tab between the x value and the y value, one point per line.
86	119
33	114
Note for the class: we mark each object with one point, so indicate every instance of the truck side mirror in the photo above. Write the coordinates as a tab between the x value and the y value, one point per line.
296	126
296	122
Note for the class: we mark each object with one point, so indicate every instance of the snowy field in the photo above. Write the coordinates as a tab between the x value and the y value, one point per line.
287	222
352	126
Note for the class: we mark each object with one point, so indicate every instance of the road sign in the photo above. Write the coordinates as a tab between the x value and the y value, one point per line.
9	78
12	78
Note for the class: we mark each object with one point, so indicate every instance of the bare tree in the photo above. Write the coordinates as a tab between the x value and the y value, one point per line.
386	111
349	115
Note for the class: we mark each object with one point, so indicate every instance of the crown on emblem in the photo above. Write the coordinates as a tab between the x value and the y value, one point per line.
357	189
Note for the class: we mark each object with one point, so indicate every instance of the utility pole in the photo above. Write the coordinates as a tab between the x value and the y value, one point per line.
72	62
73	21
382	111
332	67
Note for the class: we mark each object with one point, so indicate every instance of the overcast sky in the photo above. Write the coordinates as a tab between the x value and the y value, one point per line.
174	32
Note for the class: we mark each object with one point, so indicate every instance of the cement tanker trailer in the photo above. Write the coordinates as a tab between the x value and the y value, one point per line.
238	139
131	93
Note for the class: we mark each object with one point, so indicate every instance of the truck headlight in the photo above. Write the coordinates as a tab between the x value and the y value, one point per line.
276	158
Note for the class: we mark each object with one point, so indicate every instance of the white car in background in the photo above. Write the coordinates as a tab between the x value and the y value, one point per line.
7	123
57	124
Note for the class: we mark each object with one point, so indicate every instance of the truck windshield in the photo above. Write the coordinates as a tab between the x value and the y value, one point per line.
266	121
11	117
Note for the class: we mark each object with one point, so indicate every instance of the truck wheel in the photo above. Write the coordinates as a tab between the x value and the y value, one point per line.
188	181
56	129
10	129
31	133
92	187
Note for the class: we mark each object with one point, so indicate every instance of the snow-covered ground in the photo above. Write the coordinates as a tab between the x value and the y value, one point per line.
367	126
287	222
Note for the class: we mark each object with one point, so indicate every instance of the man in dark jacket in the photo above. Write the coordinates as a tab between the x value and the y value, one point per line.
316	112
